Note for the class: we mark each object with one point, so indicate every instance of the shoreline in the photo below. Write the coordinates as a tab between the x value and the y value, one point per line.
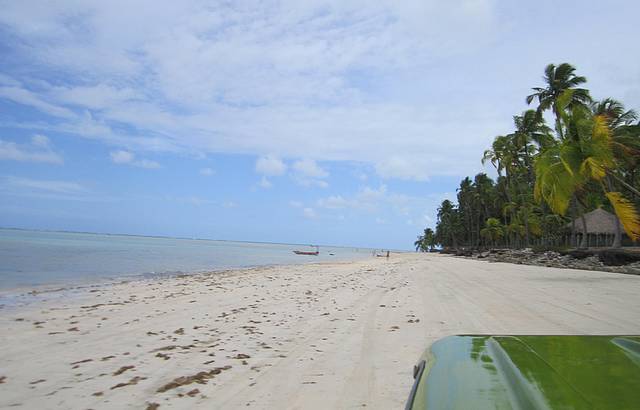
50	259
323	335
33	292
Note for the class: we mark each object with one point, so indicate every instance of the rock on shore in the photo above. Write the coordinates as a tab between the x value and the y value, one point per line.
607	260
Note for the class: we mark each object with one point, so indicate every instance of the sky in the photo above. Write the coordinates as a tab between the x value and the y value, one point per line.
316	122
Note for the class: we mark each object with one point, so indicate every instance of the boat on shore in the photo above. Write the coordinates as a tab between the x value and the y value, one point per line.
308	253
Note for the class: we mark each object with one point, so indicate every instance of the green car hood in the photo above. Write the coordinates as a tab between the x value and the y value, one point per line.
529	372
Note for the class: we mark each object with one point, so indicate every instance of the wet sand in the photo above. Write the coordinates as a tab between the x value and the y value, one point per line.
329	335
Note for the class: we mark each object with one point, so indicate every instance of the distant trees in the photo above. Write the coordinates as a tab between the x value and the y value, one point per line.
426	242
589	159
493	230
448	227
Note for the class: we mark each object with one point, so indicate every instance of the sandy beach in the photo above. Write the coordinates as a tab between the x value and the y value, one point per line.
328	335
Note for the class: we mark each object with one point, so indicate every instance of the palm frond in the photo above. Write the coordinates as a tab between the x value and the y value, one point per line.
554	183
530	98
627	213
593	169
564	99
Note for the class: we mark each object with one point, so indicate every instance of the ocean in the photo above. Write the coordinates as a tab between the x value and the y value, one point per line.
37	258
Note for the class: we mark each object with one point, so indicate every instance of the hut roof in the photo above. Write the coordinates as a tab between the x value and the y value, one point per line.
599	221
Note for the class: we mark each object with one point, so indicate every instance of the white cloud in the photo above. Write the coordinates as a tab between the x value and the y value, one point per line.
362	176
26	97
6	80
40	140
198	201
39	150
366	198
265	183
308	182
371	199
387	84
307	172
99	96
145	163
404	167
309	168
309	213
54	186
127	157
207	172
270	166
383	205
295	204
121	157
259	78
335	202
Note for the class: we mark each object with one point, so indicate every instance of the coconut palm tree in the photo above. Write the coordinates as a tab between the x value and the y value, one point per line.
616	115
425	242
558	80
468	213
625	137
485	195
448	224
429	239
584	156
530	127
590	159
493	230
501	154
513	154
625	143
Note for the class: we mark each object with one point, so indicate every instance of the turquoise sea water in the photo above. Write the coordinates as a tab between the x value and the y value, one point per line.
34	258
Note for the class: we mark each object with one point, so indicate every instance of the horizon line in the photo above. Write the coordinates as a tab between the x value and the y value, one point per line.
192	238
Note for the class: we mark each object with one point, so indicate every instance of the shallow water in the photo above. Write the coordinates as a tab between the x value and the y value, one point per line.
35	258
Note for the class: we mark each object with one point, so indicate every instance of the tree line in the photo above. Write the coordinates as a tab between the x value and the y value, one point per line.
549	175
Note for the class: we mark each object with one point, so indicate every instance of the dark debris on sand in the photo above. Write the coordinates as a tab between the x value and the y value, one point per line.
200	378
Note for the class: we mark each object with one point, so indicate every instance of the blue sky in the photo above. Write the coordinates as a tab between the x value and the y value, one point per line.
311	122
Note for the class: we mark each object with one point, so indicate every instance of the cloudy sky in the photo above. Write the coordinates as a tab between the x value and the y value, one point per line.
334	122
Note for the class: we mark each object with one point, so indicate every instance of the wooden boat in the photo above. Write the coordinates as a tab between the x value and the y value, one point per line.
314	253
309	253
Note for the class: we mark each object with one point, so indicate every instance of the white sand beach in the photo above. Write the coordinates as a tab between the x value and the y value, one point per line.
319	336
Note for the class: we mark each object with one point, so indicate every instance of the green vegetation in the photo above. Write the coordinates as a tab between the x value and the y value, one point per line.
550	177
426	242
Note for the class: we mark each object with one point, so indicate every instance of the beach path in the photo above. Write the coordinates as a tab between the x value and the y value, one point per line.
319	336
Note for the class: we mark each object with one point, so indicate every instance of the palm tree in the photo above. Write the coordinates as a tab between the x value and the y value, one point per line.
485	194
425	242
558	80
590	159
493	230
429	239
501	154
468	213
625	143
584	156
448	224
533	128
513	154
614	112
625	137
530	128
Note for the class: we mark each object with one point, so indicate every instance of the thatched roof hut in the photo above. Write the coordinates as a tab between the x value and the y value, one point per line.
599	221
